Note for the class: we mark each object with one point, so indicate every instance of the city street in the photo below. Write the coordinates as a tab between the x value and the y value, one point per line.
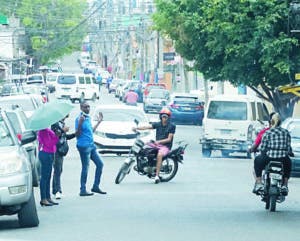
209	199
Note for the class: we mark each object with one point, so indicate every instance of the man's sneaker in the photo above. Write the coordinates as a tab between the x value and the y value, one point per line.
284	190
258	187
156	180
58	195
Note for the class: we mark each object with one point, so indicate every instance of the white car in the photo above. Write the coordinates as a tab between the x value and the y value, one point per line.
114	134
27	102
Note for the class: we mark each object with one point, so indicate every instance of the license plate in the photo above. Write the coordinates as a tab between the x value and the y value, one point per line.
186	108
225	132
275	176
66	89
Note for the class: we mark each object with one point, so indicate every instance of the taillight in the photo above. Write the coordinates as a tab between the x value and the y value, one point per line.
44	99
250	133
199	107
173	106
19	136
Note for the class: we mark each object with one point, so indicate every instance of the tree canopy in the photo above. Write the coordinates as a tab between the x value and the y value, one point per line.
243	41
53	27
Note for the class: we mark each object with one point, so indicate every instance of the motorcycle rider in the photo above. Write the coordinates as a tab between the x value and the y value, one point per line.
275	146
165	131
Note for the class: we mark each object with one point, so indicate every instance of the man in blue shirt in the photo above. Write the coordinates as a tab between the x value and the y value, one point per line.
87	149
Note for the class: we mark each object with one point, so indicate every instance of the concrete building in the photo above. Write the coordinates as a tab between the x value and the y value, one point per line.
12	50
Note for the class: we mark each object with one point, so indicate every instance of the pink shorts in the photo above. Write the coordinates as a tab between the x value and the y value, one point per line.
161	148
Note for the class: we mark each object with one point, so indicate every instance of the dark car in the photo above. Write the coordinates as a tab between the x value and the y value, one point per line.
186	109
293	126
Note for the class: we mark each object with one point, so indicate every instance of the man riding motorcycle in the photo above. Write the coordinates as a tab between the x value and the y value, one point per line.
165	131
275	146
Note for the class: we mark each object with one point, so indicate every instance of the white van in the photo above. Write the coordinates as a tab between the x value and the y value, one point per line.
76	87
231	122
84	59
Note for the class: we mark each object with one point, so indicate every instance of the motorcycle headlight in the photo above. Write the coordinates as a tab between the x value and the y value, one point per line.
9	166
100	134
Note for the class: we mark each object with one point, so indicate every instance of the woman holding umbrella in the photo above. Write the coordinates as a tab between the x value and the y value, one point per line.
47	147
48	114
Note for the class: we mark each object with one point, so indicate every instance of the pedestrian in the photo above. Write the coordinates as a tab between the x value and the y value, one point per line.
87	149
131	97
61	151
99	81
47	147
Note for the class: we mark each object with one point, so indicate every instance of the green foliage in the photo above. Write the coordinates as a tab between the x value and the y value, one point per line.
51	25
242	41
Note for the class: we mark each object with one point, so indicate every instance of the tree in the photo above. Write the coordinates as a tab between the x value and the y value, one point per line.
243	41
53	27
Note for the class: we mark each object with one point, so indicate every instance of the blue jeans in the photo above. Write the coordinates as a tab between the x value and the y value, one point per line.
87	153
58	168
46	160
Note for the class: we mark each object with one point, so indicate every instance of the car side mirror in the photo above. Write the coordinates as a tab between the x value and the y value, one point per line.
136	122
27	137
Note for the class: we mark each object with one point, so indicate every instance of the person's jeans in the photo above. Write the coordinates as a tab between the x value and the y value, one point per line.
261	161
58	169
46	160
87	153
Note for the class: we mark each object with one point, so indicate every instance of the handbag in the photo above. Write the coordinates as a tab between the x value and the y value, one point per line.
62	146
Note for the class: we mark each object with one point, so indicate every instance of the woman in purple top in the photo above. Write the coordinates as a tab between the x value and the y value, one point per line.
47	147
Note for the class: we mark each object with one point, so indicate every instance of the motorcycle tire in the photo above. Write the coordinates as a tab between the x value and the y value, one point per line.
122	173
273	203
171	175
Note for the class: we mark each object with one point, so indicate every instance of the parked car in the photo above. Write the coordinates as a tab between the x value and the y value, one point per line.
156	100
115	134
19	123
231	123
293	126
28	102
186	109
16	192
39	90
11	89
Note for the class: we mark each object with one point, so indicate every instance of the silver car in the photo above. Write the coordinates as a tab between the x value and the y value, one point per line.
156	100
16	189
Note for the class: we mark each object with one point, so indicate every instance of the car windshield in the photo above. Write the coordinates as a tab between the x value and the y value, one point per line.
5	136
35	77
185	100
123	115
67	79
26	104
227	110
157	94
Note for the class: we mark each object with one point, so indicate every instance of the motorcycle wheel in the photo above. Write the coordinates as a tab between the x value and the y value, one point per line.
168	170
122	173
273	203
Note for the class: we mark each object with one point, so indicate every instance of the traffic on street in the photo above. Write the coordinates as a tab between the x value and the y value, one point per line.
149	120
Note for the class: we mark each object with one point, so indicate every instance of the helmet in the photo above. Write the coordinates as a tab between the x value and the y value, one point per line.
165	111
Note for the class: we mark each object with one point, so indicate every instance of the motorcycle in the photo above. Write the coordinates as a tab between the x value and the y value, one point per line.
145	158
272	183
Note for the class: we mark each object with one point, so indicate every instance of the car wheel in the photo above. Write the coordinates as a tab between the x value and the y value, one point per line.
73	101
206	152
28	216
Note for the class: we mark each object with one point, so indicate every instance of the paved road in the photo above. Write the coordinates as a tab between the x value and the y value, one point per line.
209	200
